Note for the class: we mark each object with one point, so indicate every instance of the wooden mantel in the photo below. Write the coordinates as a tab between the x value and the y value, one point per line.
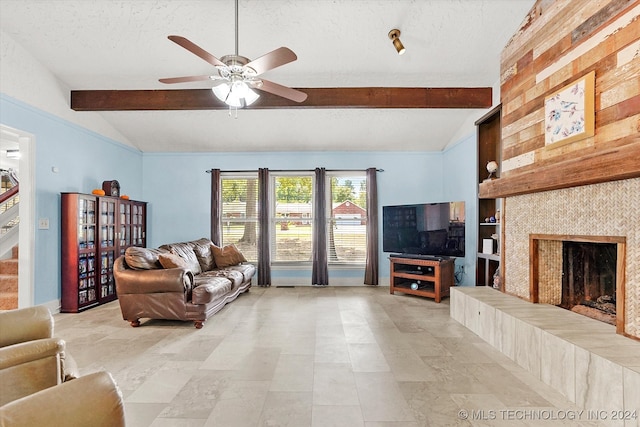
599	166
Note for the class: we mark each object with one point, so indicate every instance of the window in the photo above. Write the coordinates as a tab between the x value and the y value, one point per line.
240	214
347	219
291	216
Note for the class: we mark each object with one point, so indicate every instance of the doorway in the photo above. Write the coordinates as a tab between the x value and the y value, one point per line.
15	139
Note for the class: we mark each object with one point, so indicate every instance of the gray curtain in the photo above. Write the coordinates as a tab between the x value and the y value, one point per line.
216	207
320	272
264	257
371	264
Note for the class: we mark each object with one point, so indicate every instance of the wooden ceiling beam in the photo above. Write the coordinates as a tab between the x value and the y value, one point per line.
330	98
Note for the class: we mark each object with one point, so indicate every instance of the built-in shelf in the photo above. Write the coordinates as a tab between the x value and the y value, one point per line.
489	142
493	257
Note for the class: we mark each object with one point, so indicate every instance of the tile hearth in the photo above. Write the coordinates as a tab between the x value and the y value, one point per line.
306	356
582	358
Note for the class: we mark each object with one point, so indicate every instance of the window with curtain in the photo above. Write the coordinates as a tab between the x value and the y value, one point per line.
291	216
347	217
240	213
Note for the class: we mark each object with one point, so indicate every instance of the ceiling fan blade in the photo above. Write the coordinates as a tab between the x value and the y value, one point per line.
276	89
197	50
184	79
272	60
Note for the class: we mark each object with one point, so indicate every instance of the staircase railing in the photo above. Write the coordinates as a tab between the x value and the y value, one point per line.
9	219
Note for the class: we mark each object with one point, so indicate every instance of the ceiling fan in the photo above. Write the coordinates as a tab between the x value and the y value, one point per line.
236	75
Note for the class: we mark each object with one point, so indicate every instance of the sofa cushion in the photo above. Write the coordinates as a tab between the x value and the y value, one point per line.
247	270
185	251
171	260
202	249
142	258
209	289
227	255
236	277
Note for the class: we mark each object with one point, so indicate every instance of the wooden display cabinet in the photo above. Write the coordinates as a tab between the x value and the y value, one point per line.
133	216
107	255
95	231
79	252
431	277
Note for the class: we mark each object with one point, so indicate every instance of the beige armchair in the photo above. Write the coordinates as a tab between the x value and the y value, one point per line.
31	359
92	400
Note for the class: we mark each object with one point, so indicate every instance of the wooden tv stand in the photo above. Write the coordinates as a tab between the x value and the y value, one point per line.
434	277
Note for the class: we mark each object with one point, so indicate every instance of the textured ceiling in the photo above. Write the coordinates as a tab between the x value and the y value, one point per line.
112	44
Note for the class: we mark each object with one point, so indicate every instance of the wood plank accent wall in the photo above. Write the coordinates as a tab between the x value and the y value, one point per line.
559	42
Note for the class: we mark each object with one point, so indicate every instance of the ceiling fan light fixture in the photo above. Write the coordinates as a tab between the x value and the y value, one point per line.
221	91
394	35
235	94
250	96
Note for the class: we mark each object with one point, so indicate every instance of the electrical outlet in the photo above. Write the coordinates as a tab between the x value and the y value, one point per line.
43	223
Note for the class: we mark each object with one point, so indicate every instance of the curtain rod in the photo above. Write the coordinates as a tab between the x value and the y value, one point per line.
294	170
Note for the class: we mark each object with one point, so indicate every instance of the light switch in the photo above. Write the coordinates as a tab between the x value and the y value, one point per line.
43	223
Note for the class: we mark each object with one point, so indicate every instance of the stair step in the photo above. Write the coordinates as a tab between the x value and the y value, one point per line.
8	283
8	300
9	266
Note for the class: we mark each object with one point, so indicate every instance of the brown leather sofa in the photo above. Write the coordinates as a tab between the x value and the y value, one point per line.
31	358
180	281
91	400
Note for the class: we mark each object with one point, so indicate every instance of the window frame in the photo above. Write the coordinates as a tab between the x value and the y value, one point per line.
274	222
243	219
362	176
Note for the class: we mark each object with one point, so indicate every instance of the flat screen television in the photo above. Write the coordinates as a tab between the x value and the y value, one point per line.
427	229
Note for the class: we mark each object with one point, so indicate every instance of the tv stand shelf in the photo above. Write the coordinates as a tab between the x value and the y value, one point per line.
432	277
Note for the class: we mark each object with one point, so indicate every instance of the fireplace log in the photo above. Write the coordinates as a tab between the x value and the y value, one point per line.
607	307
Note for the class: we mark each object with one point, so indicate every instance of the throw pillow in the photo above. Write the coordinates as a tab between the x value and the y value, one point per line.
142	258
202	248
227	256
169	260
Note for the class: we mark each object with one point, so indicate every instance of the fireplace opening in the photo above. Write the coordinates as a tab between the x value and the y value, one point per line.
584	274
589	279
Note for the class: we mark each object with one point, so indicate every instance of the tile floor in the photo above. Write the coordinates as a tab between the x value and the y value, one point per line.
307	356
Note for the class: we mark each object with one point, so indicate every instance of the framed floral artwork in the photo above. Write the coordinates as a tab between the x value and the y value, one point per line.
570	112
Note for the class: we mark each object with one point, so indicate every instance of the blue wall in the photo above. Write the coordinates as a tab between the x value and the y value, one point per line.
84	160
459	183
177	186
178	189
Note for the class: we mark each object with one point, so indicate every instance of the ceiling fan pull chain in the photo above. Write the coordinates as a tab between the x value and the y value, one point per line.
231	109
